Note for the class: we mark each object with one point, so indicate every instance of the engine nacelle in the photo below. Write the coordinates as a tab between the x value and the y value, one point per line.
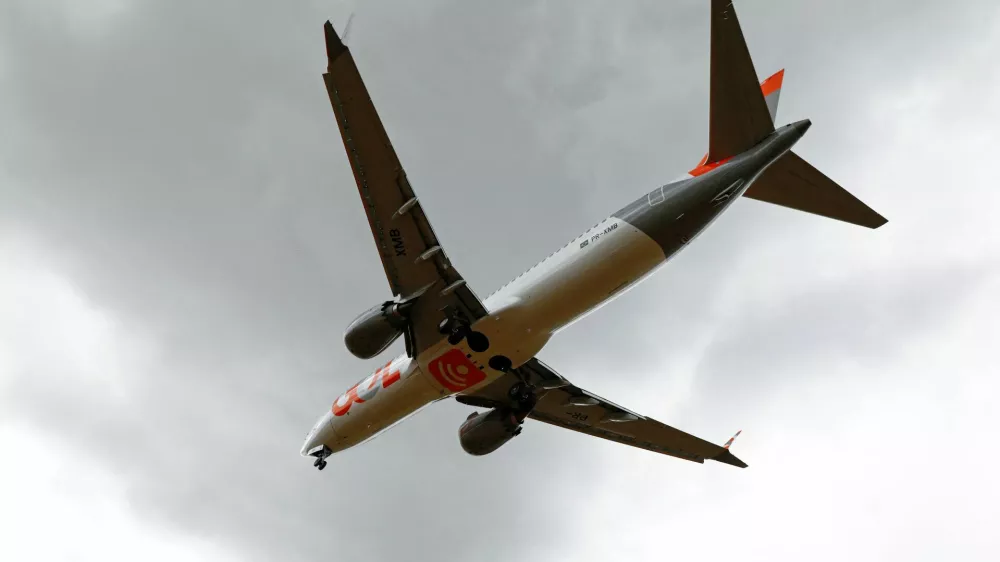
375	329
484	433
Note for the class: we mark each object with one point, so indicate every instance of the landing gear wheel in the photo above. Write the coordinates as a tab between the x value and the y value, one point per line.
478	341
457	333
518	391
523	396
321	465
500	363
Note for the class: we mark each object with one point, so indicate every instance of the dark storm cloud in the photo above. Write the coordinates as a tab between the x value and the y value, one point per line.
183	168
187	176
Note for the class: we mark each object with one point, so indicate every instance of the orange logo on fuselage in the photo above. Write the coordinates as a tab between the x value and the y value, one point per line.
365	390
455	372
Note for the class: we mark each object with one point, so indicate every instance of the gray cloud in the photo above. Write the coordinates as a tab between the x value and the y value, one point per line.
180	165
856	323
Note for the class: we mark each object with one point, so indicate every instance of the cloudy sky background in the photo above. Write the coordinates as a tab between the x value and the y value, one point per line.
181	246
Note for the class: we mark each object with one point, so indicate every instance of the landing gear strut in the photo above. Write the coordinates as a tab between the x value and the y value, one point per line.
321	455
523	397
456	333
458	330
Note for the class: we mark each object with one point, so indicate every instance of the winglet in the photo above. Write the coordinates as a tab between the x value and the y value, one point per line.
731	439
334	46
728	457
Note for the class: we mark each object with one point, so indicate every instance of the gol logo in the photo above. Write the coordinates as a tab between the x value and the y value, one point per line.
455	372
365	390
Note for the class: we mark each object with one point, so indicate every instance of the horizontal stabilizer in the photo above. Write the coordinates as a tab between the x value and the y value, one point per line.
792	182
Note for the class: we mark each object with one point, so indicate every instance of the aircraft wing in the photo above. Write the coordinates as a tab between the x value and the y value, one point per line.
414	262
565	405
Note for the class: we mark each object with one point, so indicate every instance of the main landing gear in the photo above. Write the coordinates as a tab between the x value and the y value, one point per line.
523	397
458	330
521	394
522	401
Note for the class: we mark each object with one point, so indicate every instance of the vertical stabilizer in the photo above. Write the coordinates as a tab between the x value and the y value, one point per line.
738	115
771	88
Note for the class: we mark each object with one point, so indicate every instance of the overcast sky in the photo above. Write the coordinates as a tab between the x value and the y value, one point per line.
182	245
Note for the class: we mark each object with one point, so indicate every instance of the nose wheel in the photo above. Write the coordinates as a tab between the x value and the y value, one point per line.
320	462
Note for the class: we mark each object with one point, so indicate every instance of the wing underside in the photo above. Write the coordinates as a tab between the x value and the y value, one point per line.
794	183
413	259
565	405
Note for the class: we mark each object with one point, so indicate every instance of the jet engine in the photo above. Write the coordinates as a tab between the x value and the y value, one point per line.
481	434
375	329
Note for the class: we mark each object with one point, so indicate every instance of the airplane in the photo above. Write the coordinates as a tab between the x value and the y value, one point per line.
484	352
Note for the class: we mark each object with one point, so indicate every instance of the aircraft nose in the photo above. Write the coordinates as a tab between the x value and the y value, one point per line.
308	445
319	434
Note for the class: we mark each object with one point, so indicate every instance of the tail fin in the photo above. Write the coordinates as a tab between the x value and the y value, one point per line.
792	182
738	115
741	114
771	88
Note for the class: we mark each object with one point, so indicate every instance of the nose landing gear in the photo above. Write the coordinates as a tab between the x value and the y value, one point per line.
320	462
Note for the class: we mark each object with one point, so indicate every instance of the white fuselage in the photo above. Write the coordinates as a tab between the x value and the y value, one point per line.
523	314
